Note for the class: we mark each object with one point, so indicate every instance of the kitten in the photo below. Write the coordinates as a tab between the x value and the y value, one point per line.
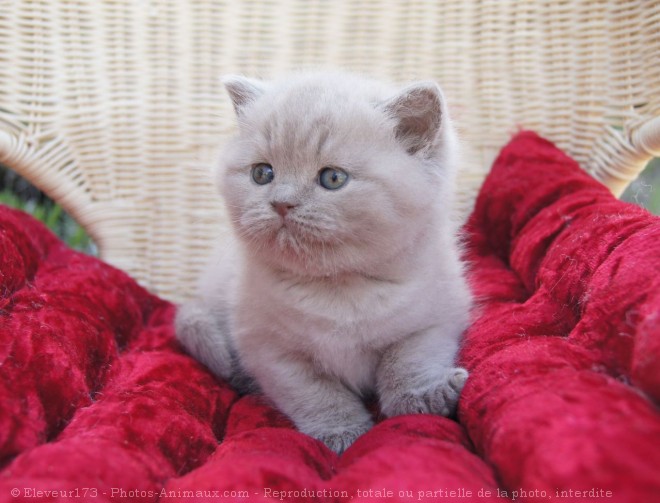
345	276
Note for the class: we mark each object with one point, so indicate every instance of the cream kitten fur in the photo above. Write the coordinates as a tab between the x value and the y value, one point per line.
331	293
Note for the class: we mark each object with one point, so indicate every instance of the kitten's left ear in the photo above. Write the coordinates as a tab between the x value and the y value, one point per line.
243	91
419	111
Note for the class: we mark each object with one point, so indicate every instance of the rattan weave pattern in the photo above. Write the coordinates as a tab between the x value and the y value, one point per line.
115	108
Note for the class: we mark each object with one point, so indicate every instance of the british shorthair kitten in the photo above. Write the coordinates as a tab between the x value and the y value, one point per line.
344	277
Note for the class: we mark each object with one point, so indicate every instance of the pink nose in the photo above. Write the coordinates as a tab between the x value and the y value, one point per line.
282	208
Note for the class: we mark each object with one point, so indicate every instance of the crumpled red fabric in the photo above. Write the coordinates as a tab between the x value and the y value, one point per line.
97	401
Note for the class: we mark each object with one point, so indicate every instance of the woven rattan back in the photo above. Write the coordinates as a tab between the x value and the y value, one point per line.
116	110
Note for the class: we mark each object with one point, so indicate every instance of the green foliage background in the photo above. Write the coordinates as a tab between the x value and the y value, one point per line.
18	193
645	191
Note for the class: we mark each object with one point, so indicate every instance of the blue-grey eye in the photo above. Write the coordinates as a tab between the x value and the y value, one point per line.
262	173
332	178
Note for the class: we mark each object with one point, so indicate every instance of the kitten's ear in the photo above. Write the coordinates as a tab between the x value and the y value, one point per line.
419	111
242	91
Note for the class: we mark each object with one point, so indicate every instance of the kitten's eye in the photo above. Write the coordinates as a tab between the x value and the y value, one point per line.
262	173
332	178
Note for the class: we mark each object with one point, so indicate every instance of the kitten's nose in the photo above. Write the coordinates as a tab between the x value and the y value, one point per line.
282	208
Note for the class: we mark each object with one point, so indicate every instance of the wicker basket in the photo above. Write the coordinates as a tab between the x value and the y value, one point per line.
115	108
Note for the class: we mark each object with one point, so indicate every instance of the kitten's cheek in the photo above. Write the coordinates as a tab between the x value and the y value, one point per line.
234	216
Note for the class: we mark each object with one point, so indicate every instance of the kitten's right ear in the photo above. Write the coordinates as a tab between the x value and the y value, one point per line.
243	91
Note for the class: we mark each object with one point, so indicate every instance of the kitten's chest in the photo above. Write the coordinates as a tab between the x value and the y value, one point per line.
357	316
342	328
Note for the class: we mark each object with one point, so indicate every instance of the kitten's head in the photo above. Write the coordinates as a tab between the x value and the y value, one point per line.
332	173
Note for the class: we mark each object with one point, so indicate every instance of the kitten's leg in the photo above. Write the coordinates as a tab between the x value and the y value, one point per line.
200	332
320	406
418	375
204	334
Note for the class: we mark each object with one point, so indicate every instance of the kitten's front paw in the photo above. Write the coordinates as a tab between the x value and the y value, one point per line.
444	398
440	398
341	439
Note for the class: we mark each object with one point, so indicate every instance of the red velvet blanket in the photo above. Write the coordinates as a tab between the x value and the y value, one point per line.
98	403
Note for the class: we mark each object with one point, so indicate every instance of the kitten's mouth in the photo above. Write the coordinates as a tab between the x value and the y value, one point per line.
288	236
290	225
293	238
297	246
284	229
